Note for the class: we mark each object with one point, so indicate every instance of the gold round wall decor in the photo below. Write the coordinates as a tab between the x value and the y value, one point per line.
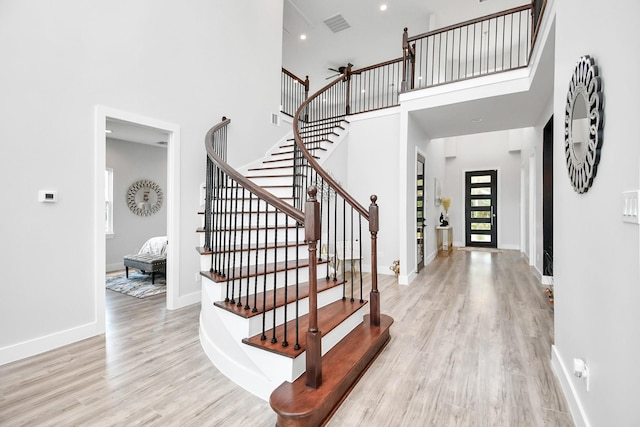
583	123
144	197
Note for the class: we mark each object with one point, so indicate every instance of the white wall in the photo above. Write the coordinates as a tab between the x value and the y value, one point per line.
374	141
596	273
435	167
179	62
131	162
486	151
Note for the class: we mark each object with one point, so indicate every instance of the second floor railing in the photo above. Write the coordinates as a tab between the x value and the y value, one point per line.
490	44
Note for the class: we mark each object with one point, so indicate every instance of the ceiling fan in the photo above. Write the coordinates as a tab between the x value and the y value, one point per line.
339	70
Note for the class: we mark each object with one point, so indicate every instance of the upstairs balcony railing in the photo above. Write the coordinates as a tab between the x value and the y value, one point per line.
487	45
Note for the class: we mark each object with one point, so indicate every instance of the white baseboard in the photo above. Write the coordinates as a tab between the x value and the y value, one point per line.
48	342
185	300
565	377
115	267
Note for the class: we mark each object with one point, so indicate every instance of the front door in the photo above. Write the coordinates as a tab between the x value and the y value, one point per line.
480	213
420	188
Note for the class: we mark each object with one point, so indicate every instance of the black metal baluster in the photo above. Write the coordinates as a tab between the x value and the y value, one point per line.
264	275
344	250
335	238
239	248
255	276
250	232
297	346
360	253
275	278
285	343
351	256
235	243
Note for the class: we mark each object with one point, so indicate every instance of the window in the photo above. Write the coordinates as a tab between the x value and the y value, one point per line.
108	198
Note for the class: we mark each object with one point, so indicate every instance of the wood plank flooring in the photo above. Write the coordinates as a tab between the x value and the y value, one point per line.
470	346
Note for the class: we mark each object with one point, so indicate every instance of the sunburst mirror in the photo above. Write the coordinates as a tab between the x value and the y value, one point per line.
583	124
144	197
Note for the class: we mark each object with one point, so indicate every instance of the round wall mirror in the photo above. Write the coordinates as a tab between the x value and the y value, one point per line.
579	128
144	197
583	124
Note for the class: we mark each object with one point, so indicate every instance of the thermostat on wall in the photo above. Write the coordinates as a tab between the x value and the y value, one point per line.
47	196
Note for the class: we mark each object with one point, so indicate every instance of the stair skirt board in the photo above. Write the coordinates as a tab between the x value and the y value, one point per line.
257	371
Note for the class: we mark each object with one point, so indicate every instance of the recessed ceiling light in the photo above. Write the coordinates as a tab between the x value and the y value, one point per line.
383	7
303	36
477	120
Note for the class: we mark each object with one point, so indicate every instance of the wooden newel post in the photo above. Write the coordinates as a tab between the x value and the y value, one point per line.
374	298
405	53
306	96
314	337
348	78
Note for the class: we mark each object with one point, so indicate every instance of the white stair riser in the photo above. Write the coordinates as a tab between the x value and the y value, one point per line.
228	220
302	275
272	180
249	257
237	237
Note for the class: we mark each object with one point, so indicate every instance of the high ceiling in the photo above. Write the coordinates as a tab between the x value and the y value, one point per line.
373	36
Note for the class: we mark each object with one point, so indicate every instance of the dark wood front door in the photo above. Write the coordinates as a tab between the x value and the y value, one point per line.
481	201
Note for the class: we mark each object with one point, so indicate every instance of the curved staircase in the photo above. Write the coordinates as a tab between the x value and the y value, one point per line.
273	307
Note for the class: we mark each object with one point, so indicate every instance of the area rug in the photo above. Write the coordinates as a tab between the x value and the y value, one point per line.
137	285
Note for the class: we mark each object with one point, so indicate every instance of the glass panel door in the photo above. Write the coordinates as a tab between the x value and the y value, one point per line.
481	205
420	189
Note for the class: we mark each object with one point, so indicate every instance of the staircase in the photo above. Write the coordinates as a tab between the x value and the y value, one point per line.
273	307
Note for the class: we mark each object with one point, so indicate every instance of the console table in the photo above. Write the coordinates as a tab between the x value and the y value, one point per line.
445	240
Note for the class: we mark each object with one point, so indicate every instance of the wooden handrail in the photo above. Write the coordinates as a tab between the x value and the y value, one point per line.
296	78
471	22
371	67
274	201
312	162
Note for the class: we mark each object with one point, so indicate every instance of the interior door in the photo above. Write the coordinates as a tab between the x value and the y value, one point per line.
420	189
481	200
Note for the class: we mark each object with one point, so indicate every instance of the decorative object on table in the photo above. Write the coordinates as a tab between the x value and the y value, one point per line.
144	197
444	219
395	267
583	122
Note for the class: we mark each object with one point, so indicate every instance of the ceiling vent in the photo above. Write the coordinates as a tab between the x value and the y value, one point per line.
336	23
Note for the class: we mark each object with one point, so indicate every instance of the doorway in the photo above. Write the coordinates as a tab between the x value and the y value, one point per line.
547	198
420	189
481	201
104	114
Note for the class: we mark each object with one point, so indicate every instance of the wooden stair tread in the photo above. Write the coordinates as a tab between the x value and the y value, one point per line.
267	299
299	405
264	168
282	153
259	270
329	317
270	176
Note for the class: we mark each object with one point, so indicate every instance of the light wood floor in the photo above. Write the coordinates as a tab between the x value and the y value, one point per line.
470	347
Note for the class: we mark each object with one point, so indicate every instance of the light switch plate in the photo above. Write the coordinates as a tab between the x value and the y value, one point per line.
47	196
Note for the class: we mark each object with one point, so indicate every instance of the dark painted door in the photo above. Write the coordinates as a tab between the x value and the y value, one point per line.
481	201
